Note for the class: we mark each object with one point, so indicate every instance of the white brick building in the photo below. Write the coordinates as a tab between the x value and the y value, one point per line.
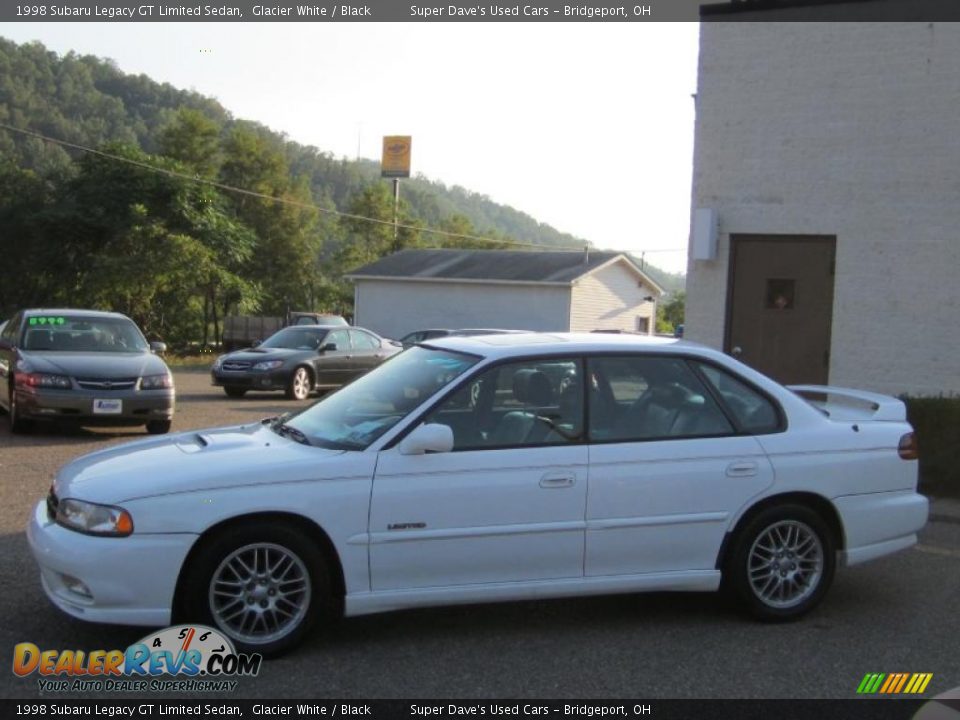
544	291
830	154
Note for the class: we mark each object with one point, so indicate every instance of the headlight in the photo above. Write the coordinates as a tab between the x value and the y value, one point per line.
94	519
44	380
218	362
154	382
268	365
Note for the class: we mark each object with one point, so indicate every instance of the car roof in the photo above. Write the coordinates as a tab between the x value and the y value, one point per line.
519	344
73	311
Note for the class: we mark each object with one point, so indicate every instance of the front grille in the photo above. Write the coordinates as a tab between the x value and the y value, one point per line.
235	366
101	384
52	503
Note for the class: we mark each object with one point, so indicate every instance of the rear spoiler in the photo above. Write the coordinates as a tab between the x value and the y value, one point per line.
846	404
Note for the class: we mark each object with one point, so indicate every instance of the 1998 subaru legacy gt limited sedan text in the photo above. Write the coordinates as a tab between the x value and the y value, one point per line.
488	468
82	366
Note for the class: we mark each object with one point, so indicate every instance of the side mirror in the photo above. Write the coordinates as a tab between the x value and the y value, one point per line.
329	347
256	343
429	438
158	348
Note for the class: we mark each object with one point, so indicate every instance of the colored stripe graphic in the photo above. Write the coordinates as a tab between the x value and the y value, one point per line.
894	683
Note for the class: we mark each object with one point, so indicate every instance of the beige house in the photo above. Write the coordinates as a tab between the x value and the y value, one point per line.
543	291
826	228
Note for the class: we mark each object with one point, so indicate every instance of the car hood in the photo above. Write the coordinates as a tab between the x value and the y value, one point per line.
94	364
193	461
261	354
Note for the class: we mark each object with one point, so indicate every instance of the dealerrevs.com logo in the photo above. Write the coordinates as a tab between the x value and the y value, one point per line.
200	657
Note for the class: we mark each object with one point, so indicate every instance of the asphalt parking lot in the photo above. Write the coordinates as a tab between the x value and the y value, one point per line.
897	614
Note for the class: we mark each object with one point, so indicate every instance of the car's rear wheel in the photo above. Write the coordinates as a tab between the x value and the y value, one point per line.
782	563
299	384
234	391
159	427
263	585
18	423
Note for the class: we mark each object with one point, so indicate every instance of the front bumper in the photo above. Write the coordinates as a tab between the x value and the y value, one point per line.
131	580
252	379
138	406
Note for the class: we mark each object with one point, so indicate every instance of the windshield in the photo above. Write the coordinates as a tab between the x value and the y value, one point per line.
77	333
304	337
356	415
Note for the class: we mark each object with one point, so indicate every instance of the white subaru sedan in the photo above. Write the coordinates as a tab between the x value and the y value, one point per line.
474	469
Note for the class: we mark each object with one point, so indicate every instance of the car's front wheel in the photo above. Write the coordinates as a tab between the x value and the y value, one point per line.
782	562
263	585
300	384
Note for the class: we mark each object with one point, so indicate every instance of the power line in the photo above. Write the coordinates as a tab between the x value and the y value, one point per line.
295	203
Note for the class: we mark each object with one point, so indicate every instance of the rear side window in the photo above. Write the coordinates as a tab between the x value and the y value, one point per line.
753	412
639	397
11	330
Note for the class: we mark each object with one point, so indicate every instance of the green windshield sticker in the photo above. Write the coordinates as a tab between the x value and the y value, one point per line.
46	321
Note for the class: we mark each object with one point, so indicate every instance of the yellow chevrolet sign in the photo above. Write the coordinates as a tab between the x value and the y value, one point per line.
396	156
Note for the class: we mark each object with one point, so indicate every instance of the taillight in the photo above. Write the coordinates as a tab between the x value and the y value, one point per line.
908	449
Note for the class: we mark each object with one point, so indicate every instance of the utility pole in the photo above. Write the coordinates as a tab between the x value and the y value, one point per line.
396	212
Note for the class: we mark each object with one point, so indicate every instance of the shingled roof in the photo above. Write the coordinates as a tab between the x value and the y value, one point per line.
554	267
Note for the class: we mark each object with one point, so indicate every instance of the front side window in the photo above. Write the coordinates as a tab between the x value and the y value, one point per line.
302	337
650	398
518	404
363	341
359	413
340	338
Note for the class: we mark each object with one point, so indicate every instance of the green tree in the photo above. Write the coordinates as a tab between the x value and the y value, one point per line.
280	214
194	140
670	312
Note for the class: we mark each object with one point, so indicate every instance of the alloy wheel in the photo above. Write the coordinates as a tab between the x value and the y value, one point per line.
785	564
301	384
260	593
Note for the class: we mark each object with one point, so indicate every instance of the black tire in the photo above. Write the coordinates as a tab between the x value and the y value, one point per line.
234	391
159	427
18	424
300	384
212	561
781	563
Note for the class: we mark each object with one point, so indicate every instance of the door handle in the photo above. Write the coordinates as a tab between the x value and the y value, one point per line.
746	468
558	480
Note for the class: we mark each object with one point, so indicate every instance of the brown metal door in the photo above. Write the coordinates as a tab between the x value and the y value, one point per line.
780	307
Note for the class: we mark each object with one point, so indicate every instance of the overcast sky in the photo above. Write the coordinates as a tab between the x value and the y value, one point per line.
585	126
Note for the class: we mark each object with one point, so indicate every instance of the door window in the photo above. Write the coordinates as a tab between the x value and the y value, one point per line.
521	404
363	341
752	411
10	331
340	338
650	398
